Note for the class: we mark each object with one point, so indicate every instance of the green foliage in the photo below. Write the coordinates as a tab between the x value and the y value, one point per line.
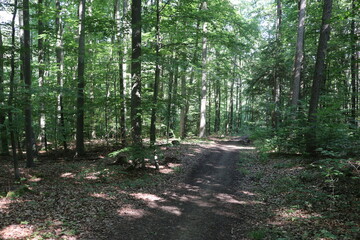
325	234
20	191
332	168
258	234
134	155
178	169
140	182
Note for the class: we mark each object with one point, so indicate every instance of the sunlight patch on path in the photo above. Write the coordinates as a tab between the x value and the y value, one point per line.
4	205
171	209
16	231
101	195
228	198
68	175
248	193
130	212
147	197
152	201
291	214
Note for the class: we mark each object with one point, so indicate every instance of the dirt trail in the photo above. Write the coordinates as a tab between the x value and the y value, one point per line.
209	204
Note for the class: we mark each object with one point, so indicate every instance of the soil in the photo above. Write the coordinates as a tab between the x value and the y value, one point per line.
208	203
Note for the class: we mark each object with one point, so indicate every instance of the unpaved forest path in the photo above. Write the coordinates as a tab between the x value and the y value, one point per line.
209	204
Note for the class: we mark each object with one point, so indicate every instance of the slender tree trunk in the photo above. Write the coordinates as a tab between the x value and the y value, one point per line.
276	78
42	120
157	76
217	107
183	111
27	80
174	101
121	54
136	112
202	127
21	75
119	41
231	122
170	98
240	97
59	74
354	70
11	96
226	113
3	130
80	148
299	55
311	143
208	125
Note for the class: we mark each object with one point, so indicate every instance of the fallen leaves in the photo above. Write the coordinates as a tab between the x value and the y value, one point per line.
72	199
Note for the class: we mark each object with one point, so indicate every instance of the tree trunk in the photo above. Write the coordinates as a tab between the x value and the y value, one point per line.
231	120
59	75
217	107
3	131
174	101
311	143
240	104
183	111
170	97
354	70
42	120
202	127
157	76
27	81
276	78
80	148
11	96
122	84
136	112
299	55
119	35
209	109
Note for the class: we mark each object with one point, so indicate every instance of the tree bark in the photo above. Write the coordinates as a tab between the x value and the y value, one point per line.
80	148
276	78
174	101
239	102
3	130
353	68
119	35
217	106
299	55
209	108
183	110
170	96
59	74
11	96
122	85
157	76
27	81
202	127
231	120
136	112
311	143
41	53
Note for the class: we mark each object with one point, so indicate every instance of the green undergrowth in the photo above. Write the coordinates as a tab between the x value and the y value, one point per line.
305	201
145	180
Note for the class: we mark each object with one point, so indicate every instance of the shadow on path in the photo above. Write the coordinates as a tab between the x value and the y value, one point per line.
207	205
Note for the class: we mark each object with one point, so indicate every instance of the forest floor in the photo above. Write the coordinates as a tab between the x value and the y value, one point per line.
215	189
